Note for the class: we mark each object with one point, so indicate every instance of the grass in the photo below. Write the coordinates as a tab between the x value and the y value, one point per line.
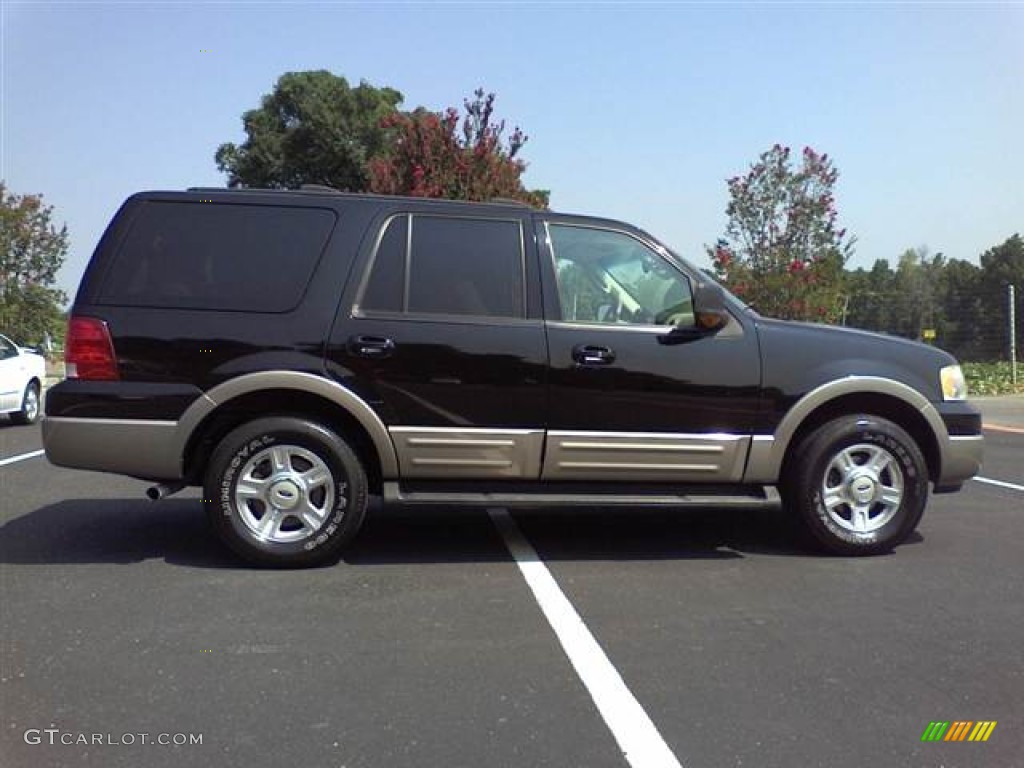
992	379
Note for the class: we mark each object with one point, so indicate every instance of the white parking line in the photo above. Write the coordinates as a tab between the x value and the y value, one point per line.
21	457
1000	483
638	738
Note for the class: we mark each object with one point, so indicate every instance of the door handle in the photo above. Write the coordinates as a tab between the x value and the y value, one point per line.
591	354
371	346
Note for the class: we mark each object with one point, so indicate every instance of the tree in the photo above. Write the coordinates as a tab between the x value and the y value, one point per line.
434	155
782	251
869	297
32	252
1002	266
312	129
965	329
915	294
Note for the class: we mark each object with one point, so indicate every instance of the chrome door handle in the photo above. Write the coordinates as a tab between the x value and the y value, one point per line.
592	354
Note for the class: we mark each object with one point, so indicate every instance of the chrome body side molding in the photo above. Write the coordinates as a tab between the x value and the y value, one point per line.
646	456
468	453
155	449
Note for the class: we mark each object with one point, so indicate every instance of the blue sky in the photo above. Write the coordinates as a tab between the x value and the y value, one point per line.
634	111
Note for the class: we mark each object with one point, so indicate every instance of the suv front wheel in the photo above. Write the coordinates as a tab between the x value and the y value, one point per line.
285	492
858	484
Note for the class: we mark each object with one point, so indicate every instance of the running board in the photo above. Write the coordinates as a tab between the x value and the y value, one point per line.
752	497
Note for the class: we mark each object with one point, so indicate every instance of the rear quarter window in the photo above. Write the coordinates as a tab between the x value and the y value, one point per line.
217	256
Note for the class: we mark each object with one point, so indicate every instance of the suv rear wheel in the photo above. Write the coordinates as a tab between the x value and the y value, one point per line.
858	484
285	492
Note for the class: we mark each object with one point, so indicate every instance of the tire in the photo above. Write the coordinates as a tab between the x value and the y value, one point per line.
29	413
285	492
858	484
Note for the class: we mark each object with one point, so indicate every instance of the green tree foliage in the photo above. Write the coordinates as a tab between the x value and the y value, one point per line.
964	326
1002	266
965	306
868	302
441	155
33	250
782	251
915	295
312	129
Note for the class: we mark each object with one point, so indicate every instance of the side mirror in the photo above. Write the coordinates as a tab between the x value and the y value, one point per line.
709	315
709	309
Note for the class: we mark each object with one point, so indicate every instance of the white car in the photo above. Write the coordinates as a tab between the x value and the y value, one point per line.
22	373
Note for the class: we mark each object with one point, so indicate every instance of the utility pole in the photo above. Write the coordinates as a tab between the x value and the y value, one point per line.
1013	337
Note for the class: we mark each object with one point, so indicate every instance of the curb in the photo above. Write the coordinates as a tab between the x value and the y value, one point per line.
1003	428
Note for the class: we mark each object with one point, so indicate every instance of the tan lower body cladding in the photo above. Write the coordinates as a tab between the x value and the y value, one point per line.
523	454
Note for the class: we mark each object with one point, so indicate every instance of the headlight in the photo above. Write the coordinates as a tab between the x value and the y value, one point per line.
953	385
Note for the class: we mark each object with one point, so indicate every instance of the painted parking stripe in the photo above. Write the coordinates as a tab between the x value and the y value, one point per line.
21	457
638	738
1000	483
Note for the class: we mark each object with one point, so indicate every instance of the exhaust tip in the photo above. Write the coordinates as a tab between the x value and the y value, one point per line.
163	490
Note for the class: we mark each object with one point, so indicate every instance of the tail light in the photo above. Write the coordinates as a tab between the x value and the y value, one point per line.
89	351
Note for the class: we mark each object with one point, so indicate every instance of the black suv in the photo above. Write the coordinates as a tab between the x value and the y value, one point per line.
294	352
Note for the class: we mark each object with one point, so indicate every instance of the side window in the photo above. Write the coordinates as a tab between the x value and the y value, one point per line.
455	266
195	255
612	278
466	267
7	349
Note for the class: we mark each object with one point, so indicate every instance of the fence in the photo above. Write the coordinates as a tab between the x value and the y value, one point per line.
977	325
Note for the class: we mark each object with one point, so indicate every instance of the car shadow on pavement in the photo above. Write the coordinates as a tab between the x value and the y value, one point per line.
113	531
175	530
409	536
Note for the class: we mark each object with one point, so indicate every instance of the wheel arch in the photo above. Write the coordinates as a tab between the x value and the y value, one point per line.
886	398
285	393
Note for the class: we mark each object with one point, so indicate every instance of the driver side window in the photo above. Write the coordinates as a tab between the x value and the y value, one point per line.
612	278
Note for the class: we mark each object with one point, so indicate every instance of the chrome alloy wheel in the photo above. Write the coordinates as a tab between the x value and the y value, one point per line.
862	488
31	404
284	493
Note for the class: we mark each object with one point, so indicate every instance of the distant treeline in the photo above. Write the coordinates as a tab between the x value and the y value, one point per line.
954	304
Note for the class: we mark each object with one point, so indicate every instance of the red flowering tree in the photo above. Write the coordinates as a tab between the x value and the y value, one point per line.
782	251
442	155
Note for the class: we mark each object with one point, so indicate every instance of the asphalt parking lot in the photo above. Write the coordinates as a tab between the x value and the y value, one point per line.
706	638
